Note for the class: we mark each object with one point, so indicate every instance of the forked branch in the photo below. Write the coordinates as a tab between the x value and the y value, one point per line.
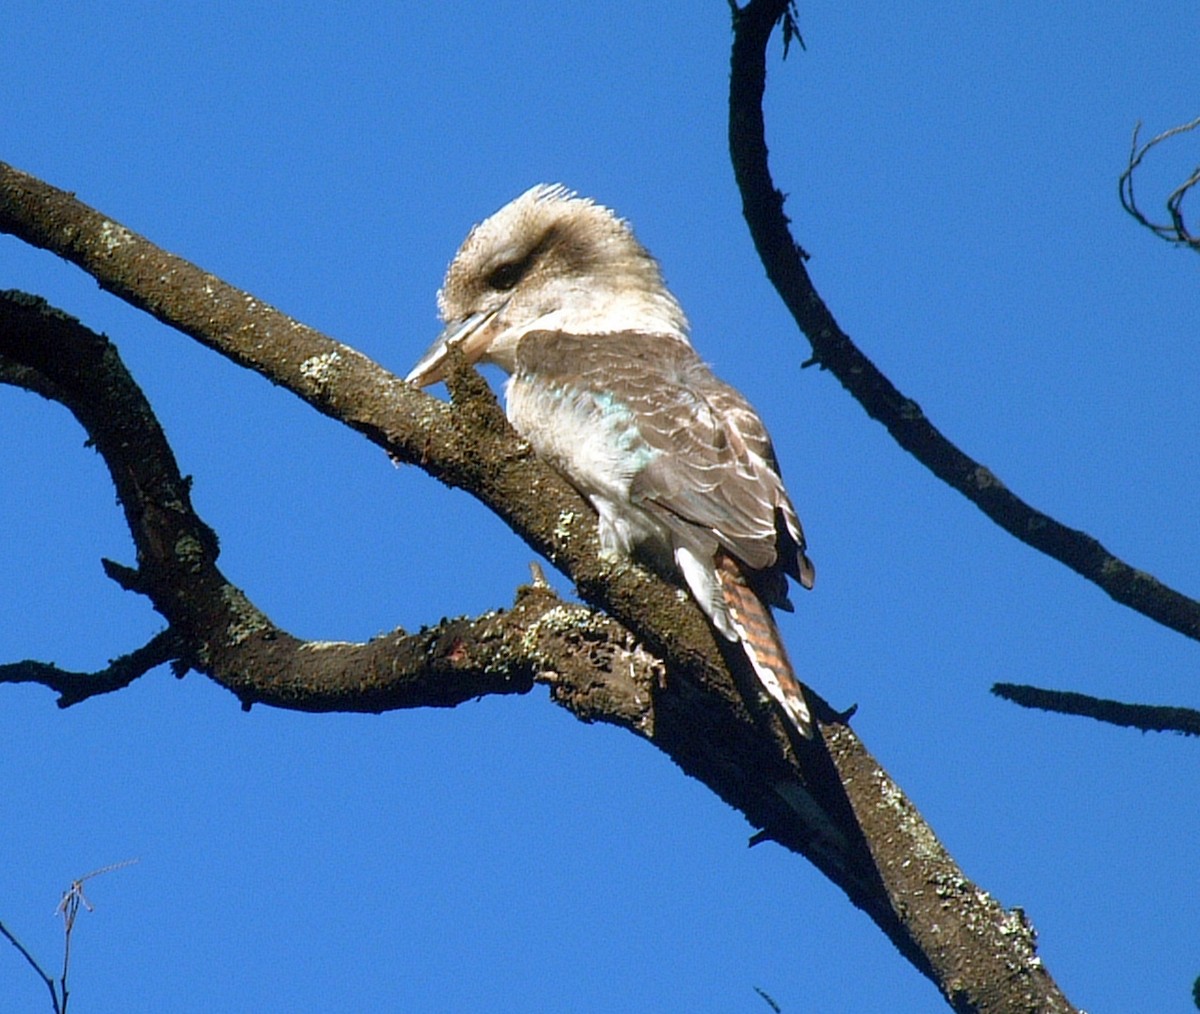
835	805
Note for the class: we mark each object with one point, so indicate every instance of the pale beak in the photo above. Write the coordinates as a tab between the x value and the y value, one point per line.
470	335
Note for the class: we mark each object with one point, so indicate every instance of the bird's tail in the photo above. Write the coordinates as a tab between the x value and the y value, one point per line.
763	645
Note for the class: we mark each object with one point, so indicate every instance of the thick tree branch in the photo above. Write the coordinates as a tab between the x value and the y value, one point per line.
838	807
1147	717
762	205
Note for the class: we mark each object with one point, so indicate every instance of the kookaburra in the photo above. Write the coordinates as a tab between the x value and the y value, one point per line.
604	384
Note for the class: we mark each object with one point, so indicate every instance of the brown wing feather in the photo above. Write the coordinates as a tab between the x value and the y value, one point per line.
715	481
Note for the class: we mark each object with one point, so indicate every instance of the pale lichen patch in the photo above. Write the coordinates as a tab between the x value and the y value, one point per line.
113	235
563	528
247	621
923	842
321	369
190	551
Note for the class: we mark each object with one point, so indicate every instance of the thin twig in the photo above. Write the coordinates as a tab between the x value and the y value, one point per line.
58	1009
1177	231
68	908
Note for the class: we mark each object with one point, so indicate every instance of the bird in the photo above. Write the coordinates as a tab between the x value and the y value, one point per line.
604	384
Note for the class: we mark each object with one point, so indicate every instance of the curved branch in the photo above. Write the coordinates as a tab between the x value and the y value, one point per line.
1177	231
762	206
1147	717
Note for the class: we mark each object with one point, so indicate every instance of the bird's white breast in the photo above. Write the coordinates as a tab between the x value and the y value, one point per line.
593	440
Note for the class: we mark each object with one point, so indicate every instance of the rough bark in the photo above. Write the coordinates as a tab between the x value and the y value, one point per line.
657	671
654	667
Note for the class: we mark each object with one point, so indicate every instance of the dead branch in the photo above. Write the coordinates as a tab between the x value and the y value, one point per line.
762	205
73	898
1177	231
73	687
1147	717
838	807
214	627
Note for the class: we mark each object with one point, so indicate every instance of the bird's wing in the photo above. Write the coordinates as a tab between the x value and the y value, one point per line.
712	475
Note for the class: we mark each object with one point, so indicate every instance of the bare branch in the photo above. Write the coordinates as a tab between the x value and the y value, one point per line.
838	808
73	687
762	205
73	897
1177	231
68	908
1147	717
988	961
32	961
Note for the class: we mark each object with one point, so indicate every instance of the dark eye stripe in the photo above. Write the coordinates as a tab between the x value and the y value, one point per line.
507	275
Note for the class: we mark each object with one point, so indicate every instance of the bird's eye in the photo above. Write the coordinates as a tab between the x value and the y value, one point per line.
507	275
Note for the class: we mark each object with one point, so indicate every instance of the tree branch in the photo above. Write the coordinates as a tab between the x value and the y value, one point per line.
762	205
1147	717
32	961
214	627
837	808
1177	231
74	687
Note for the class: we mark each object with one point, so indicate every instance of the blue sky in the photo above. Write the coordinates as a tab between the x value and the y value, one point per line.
952	170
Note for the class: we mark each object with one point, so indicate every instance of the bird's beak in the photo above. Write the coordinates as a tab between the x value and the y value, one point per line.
470	335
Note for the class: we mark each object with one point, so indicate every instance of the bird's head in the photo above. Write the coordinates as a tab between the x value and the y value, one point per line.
547	261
